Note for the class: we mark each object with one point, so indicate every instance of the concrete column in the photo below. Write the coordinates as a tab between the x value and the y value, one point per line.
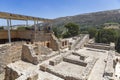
34	30
9	34
37	21
34	25
10	24
26	23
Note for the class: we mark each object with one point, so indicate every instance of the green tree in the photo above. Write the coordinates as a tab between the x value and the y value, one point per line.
92	32
72	30
21	28
105	36
58	31
117	47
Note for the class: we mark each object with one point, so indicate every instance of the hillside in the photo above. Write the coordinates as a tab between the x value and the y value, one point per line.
90	19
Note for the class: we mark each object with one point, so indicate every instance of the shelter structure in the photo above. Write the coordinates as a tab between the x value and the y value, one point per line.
10	16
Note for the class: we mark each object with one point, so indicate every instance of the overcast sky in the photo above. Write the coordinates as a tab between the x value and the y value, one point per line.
55	8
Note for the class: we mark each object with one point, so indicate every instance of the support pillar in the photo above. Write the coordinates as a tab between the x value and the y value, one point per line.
9	34
10	24
35	26
37	21
26	23
35	30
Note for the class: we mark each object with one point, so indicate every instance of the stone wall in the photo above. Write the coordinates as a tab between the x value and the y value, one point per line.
56	61
16	34
80	42
48	39
34	76
28	54
109	68
9	54
101	46
61	75
2	76
80	62
36	53
10	74
64	43
82	57
88	69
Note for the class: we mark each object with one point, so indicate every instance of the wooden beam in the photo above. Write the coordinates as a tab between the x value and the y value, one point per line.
5	15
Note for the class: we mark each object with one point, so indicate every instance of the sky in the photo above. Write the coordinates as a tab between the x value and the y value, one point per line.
55	8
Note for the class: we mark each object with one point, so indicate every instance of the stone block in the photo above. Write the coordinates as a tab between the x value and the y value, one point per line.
33	77
56	61
43	67
52	63
82	58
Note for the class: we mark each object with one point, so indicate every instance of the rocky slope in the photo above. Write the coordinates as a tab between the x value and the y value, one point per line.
90	19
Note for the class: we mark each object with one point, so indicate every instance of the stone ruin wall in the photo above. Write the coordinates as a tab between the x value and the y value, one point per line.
8	55
81	41
36	53
28	54
16	34
84	75
11	74
41	36
47	39
64	44
109	68
80	62
101	46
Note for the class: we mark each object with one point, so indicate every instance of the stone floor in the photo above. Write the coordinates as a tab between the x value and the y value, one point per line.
2	75
65	67
98	69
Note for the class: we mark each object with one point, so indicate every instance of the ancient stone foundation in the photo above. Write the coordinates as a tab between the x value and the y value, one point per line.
81	63
28	54
109	68
10	74
56	61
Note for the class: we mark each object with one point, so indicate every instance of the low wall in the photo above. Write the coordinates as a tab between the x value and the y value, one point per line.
48	39
8	55
88	69
80	62
10	74
100	46
56	61
62	75
25	34
109	68
82	39
29	55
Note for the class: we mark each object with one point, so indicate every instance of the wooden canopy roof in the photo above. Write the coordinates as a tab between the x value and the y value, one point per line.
11	16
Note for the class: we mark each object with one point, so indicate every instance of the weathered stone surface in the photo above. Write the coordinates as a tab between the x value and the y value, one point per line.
109	70
88	69
101	46
82	57
56	61
10	74
80	42
33	77
43	67
8	54
80	62
28	54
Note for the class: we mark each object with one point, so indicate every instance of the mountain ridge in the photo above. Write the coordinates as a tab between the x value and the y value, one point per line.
90	19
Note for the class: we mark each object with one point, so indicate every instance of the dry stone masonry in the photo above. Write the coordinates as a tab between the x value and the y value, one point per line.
51	59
